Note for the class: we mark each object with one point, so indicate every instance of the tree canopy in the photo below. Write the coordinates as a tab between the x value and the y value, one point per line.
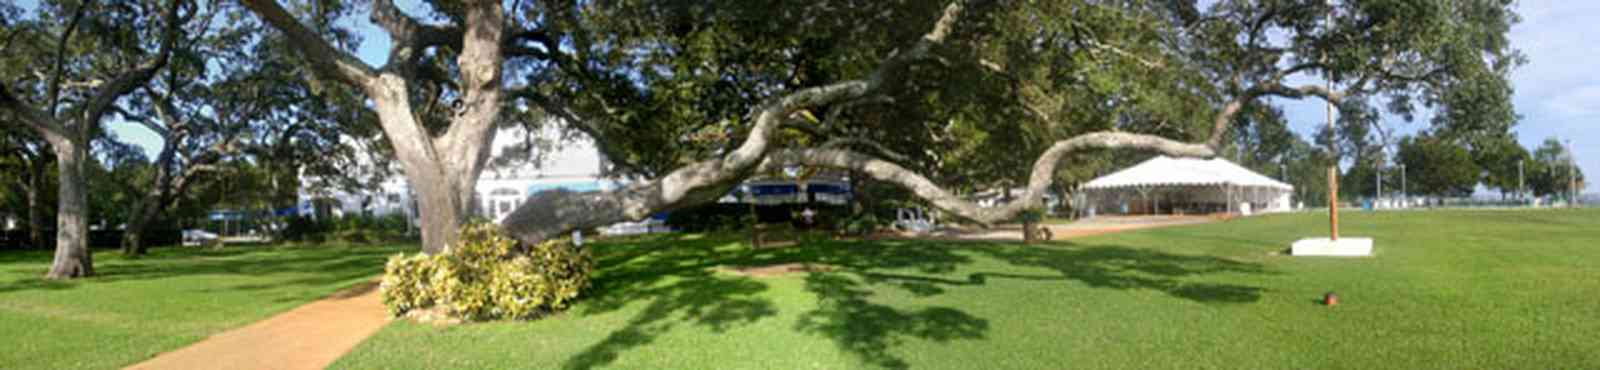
685	99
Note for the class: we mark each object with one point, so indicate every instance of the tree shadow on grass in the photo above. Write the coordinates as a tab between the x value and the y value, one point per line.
676	279
327	266
870	330
1119	267
714	303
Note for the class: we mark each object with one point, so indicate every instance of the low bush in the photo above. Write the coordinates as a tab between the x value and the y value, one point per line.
302	228
1030	215
859	225
350	229
734	216
488	276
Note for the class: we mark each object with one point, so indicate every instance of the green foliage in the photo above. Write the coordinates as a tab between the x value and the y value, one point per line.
301	228
351	229
1500	156
734	216
488	276
1550	171
1436	166
1031	215
712	217
859	225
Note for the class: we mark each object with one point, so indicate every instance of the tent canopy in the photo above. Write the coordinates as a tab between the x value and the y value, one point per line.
1168	171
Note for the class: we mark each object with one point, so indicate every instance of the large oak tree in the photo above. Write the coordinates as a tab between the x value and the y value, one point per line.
100	53
691	98
1390	55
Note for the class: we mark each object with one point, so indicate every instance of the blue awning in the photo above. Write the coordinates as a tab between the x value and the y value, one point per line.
827	189
776	189
573	186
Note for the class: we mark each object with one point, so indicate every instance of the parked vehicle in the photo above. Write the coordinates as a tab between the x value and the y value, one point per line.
197	237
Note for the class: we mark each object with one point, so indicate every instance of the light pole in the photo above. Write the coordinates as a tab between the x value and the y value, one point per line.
1572	178
1404	196
1377	174
1522	190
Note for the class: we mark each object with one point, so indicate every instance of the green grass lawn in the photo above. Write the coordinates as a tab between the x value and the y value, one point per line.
1457	289
175	296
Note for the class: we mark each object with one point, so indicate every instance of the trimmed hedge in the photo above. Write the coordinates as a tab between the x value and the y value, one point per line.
18	239
351	229
488	276
732	216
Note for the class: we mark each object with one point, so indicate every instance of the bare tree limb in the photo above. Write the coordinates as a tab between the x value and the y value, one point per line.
1018	87
1231	109
1095	44
1044	169
882	150
32	117
53	97
326	61
551	213
106	98
600	137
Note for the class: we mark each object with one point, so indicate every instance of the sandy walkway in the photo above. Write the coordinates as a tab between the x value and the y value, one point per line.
1093	226
311	336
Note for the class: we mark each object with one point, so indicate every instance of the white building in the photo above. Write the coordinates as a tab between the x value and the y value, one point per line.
571	163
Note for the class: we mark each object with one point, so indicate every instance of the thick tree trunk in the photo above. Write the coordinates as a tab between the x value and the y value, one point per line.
438	183
153	201
441	214
36	208
72	258
143	213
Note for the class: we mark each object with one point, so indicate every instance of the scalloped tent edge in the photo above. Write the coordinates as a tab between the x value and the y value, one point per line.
1168	171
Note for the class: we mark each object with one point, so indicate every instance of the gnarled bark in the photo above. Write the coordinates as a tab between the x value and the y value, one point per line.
146	208
35	195
72	258
443	170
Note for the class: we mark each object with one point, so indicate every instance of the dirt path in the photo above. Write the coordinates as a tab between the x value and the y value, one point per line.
311	336
1094	226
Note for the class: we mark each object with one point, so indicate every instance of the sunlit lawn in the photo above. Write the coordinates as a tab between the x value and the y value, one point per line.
1458	289
171	298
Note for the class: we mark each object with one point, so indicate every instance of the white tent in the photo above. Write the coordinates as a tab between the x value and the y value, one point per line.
1185	185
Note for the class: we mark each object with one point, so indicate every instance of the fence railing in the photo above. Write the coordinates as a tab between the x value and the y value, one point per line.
1591	200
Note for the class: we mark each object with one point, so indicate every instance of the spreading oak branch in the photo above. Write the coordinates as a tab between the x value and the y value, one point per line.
551	213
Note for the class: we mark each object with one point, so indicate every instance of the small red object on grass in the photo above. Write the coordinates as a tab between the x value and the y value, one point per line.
1330	299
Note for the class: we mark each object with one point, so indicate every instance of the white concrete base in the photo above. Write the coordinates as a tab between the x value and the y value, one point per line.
1344	247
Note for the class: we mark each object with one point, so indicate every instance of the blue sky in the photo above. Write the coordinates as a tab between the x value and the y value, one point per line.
1557	92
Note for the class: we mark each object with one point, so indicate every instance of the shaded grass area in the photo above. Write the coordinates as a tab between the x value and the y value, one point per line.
1448	289
136	308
